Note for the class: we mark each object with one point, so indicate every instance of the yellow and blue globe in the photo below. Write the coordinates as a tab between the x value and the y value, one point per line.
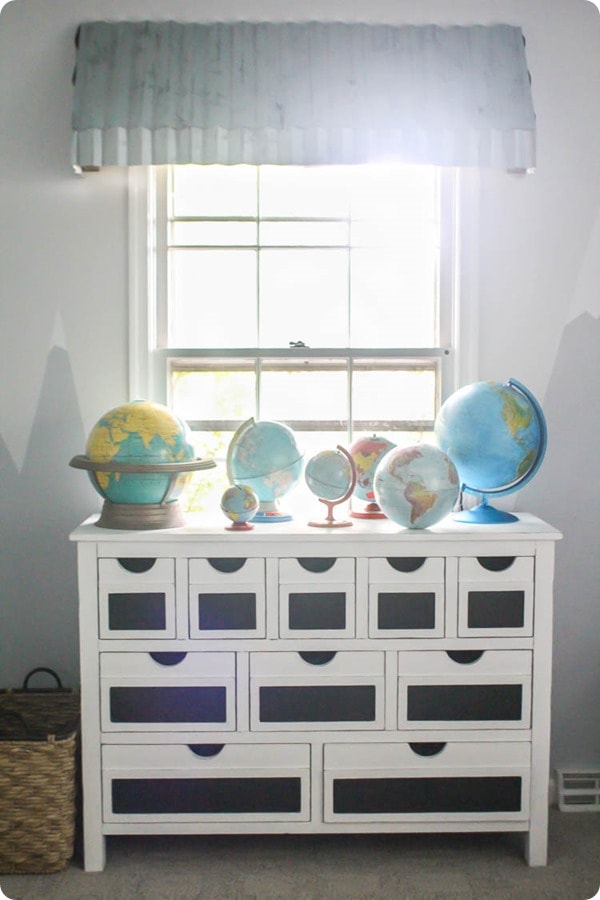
139	433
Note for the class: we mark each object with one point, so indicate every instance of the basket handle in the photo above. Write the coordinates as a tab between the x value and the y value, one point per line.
58	686
9	715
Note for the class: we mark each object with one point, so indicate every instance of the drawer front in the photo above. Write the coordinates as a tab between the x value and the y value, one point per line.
426	781
466	689
136	570
495	569
233	611
406	610
321	612
128	610
206	782
495	608
316	691
316	570
167	691
406	569
227	570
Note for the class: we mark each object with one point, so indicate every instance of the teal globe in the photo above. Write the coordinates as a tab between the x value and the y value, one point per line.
144	433
416	486
329	475
265	456
496	436
240	504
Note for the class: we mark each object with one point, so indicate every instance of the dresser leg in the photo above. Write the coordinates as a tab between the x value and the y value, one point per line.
94	852
536	846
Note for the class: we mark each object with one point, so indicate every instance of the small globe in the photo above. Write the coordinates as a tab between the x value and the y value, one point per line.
240	504
496	436
329	475
416	486
265	456
144	433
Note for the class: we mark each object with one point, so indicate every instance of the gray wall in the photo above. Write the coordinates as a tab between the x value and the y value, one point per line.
63	307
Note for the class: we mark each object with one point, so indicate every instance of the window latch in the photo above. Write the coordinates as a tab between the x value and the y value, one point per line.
298	344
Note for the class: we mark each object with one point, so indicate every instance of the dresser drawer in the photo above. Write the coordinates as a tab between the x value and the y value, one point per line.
206	782
136	569
465	689
495	608
406	610
167	691
316	690
388	782
316	570
136	598
406	569
227	570
495	569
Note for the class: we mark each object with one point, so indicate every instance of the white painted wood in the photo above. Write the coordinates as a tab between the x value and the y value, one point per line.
292	570
431	570
471	569
387	662
251	571
162	571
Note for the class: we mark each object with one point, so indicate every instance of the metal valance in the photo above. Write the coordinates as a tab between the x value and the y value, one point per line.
301	93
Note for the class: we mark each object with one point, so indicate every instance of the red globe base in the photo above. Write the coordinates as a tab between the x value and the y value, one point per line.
371	511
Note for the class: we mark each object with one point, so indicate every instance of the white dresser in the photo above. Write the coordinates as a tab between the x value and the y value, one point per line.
292	679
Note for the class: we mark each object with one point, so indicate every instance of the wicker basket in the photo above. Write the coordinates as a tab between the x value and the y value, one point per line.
38	777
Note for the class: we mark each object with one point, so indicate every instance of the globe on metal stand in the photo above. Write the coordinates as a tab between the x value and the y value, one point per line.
331	477
496	436
142	516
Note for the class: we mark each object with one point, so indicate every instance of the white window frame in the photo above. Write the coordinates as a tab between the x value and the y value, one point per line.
458	283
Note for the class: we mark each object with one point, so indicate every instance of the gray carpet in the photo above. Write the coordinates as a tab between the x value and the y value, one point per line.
351	867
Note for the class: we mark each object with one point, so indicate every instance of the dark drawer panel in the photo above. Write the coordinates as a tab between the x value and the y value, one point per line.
317	611
478	794
137	611
465	702
177	703
227	612
147	796
405	610
317	703
496	609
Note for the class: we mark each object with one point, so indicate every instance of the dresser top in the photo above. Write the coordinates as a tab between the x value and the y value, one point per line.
199	526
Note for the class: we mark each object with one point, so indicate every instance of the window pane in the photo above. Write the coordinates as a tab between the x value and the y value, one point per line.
387	395
213	233
213	395
393	299
310	396
304	297
214	190
213	298
304	233
308	192
206	487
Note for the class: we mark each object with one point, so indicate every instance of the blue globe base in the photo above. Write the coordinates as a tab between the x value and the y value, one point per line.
484	514
262	518
269	513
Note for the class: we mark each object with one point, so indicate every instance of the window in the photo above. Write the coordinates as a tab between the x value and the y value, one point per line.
322	297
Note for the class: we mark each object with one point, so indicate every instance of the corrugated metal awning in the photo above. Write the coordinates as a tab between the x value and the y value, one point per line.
301	93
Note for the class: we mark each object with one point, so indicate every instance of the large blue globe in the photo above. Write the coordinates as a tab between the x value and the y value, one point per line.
496	436
265	456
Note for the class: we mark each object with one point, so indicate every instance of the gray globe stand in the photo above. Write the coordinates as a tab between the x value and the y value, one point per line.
143	516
